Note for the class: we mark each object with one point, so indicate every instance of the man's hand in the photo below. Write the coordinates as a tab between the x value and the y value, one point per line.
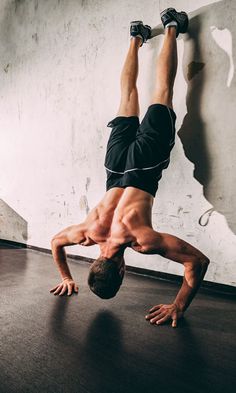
67	285
163	312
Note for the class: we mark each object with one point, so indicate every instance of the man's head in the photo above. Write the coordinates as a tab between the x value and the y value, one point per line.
106	276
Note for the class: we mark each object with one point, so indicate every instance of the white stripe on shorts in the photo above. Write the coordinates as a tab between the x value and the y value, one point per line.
139	169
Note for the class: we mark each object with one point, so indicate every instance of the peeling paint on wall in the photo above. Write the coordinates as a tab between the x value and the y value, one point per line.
7	68
88	180
36	5
83	204
60	86
35	37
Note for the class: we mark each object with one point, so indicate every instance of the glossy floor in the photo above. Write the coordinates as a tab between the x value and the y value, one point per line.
87	345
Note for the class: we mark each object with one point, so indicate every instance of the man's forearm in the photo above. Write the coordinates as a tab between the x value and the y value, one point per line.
192	280
59	256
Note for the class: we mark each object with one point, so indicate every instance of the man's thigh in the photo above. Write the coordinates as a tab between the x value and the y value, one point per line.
122	135
154	138
159	121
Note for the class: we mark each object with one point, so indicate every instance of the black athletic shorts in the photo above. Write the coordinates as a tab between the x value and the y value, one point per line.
137	153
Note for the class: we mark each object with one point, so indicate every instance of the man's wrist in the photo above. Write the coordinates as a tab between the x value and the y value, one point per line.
179	306
67	278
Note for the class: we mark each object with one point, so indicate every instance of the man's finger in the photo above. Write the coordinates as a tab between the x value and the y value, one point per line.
162	320
58	289
70	289
174	323
156	307
158	317
64	288
76	288
154	314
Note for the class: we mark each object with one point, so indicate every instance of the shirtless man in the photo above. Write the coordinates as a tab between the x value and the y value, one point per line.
136	155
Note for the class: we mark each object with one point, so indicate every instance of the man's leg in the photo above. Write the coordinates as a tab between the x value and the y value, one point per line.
129	104
166	69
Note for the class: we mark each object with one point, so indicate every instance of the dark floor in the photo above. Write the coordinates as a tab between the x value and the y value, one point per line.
85	344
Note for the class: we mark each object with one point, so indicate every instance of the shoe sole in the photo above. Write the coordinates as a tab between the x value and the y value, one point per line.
167	10
136	22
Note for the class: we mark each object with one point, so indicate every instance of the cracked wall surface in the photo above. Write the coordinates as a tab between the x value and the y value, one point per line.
60	63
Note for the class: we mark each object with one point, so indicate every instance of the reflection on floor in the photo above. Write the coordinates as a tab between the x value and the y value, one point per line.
84	344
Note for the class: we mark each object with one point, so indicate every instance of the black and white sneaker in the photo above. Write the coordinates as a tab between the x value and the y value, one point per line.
181	18
138	29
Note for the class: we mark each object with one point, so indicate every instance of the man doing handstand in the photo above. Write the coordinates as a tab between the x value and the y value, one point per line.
135	157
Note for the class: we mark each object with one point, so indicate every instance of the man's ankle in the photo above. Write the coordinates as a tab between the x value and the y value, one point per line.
171	30
136	41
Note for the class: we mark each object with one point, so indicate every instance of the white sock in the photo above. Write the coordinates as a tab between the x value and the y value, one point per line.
138	35
172	23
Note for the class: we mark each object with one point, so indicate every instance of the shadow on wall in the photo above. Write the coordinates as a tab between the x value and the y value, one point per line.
208	132
12	226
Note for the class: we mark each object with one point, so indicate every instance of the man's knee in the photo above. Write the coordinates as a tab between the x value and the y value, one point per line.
162	101
129	104
163	95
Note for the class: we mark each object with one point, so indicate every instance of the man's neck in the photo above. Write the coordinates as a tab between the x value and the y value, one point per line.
112	250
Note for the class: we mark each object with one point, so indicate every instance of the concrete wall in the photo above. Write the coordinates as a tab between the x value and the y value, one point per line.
60	62
12	226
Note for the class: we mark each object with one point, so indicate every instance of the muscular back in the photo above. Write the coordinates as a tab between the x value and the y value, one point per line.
120	217
123	218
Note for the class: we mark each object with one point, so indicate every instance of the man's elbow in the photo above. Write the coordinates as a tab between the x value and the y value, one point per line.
204	262
198	265
196	270
55	243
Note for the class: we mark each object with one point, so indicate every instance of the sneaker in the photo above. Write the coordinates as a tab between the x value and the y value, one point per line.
170	14
138	29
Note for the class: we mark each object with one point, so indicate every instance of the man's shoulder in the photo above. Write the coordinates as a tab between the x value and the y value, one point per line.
148	240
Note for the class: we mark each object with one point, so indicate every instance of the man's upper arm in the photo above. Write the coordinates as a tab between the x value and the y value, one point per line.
69	236
171	247
180	251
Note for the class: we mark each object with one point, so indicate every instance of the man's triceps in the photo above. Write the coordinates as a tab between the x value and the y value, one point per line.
69	236
179	250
